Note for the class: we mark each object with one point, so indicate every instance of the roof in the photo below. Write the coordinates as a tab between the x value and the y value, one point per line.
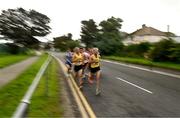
148	31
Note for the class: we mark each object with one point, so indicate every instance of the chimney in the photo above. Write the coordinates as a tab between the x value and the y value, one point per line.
144	26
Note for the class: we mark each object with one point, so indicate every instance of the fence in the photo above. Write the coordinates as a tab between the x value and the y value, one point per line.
23	106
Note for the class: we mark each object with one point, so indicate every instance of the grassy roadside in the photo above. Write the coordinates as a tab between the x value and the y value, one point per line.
12	93
47	104
6	60
141	61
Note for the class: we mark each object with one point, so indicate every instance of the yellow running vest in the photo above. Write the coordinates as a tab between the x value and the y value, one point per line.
96	59
78	59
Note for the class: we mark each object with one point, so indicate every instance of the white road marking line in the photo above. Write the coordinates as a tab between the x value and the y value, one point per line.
135	85
154	71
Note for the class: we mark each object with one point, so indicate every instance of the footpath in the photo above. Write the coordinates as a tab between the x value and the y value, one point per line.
11	72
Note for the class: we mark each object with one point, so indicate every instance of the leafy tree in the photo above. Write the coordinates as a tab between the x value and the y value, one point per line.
20	25
110	39
111	25
89	32
64	42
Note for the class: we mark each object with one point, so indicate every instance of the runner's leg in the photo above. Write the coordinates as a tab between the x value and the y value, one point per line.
98	82
80	77
90	78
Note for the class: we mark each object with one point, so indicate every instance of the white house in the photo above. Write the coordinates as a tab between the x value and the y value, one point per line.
148	34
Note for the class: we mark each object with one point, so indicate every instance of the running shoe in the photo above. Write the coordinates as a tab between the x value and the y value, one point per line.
98	92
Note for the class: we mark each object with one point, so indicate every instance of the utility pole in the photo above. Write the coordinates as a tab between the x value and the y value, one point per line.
168	27
168	33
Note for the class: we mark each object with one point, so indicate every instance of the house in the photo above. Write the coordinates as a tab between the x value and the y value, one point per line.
148	34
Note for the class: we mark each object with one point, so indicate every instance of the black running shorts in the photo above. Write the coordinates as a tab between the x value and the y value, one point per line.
94	70
77	68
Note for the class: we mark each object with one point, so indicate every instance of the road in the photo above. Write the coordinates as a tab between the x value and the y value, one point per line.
131	92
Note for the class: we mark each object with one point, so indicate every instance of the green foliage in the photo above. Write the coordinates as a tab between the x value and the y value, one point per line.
4	49
89	32
175	55
109	46
11	48
111	25
21	26
165	50
136	50
110	39
65	42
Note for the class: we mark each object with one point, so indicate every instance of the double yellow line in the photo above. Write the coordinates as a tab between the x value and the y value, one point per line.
84	107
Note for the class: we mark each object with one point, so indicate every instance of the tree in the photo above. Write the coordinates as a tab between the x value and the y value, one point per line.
110	37
89	32
21	26
111	25
64	42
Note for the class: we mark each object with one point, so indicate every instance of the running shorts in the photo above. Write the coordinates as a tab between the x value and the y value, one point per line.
94	70
77	68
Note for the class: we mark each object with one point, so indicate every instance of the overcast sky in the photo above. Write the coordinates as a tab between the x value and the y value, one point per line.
66	15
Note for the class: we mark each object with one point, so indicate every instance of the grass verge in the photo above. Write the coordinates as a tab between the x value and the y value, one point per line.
12	93
6	60
46	102
141	61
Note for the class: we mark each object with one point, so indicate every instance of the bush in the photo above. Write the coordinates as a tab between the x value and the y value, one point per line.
165	50
109	46
136	50
175	55
10	48
3	49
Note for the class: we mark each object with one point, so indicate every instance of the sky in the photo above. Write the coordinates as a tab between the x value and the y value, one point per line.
66	15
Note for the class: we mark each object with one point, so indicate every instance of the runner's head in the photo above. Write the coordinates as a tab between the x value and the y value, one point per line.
90	51
95	51
81	50
76	50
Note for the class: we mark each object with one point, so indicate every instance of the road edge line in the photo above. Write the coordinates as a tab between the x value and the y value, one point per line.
82	102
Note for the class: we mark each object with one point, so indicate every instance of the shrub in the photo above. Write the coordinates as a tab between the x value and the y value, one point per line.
136	50
162	51
109	47
175	53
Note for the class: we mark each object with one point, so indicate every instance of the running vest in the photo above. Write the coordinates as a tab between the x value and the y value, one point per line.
77	59
86	57
69	57
96	59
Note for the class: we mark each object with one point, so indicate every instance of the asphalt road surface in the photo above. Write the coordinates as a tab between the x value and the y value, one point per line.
130	92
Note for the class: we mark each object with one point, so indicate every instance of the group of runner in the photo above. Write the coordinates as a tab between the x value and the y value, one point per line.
85	64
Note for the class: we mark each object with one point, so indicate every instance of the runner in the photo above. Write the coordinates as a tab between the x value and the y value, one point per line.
68	59
90	52
95	69
86	57
78	62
